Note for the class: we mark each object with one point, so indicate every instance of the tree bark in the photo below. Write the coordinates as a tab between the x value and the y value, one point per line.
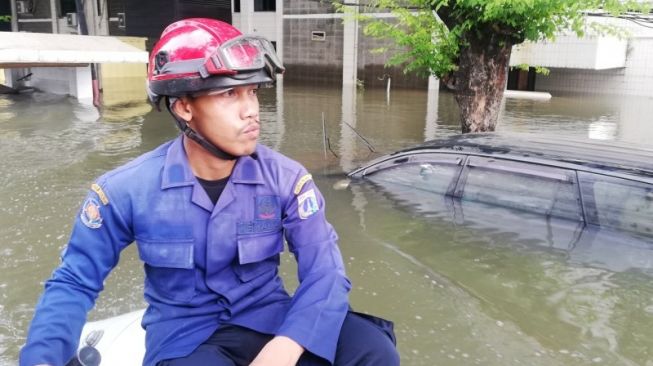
481	80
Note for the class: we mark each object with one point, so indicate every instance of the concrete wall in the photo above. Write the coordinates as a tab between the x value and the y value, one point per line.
73	81
569	51
310	60
307	7
322	60
265	23
372	70
124	83
40	10
635	79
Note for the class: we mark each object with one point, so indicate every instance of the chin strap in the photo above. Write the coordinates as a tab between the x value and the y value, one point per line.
191	134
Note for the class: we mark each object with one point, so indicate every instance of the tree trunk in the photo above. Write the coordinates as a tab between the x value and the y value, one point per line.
481	80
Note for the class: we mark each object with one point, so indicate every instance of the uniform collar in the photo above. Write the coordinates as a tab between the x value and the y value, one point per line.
177	171
247	170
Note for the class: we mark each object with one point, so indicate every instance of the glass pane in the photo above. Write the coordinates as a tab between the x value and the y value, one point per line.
619	203
265	5
523	186
67	6
421	172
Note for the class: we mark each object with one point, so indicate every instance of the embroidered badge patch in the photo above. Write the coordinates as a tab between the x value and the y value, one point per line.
307	204
267	207
267	217
91	214
301	182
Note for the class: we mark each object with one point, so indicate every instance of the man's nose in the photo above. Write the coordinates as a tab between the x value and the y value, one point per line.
250	107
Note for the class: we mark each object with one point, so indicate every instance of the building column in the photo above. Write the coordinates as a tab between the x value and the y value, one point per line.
246	14
53	16
14	17
81	83
281	122
350	48
347	135
279	15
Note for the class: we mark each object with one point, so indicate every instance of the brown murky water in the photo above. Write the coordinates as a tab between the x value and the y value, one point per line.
459	294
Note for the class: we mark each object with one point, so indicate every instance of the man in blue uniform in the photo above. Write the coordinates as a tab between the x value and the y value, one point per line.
209	212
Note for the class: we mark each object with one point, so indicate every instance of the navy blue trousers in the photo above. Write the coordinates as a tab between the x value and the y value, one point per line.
364	340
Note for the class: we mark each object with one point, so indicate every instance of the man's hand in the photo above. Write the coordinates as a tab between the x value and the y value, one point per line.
280	351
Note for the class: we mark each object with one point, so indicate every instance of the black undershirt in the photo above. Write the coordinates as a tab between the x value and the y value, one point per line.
213	188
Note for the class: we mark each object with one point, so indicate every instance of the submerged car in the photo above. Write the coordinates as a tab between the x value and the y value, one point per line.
591	199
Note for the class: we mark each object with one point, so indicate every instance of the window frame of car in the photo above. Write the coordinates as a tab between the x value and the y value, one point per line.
596	215
518	171
443	158
457	185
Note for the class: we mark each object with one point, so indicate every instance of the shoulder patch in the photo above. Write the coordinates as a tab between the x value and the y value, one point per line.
100	193
90	214
301	182
307	204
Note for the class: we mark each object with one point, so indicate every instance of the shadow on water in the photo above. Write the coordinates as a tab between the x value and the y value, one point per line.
459	292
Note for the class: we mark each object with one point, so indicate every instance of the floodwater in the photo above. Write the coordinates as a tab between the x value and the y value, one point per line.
458	294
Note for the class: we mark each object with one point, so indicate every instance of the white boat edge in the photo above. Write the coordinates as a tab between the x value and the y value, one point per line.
123	341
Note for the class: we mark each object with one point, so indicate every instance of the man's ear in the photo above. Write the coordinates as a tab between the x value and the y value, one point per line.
183	109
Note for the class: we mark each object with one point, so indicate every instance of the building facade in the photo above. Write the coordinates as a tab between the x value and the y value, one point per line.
316	43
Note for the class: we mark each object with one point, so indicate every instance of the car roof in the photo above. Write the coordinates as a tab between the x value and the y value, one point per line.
613	158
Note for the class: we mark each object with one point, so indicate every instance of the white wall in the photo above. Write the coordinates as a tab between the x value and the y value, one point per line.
263	23
74	81
635	79
569	51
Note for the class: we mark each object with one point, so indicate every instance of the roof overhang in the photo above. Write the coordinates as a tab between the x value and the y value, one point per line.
19	49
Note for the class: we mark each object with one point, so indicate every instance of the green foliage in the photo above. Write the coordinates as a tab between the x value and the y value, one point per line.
428	35
5	18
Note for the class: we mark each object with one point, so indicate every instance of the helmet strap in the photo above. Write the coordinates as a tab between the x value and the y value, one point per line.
191	134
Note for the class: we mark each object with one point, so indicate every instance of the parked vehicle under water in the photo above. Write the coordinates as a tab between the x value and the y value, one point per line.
591	200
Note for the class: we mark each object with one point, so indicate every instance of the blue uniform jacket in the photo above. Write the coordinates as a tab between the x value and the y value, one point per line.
205	265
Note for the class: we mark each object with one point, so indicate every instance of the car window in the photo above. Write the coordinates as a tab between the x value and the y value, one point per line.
434	173
618	203
529	187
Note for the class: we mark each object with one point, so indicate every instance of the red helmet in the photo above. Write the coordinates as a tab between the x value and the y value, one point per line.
195	55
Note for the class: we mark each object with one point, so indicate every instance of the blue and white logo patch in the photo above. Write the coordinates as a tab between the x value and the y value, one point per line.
307	204
90	215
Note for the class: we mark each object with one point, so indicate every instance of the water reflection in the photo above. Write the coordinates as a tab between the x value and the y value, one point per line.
431	124
603	130
461	291
559	308
5	106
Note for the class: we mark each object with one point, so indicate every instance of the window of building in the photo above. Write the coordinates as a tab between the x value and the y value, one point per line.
67	6
259	5
265	5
